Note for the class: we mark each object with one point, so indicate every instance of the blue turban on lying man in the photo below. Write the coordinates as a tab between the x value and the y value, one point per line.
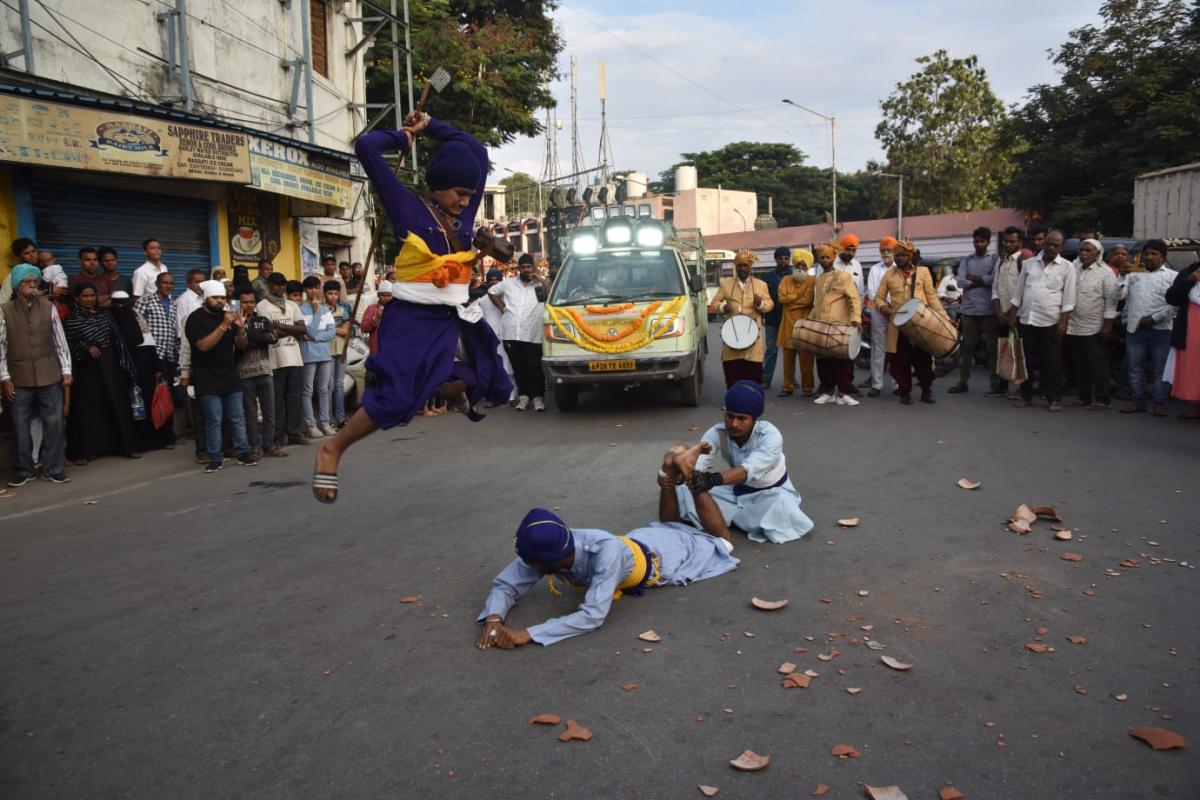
543	538
746	397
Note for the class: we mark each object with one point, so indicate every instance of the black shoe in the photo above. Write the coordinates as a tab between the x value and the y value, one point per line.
213	466
248	460
906	399
15	482
59	478
897	392
927	397
299	440
957	389
996	393
872	392
854	392
865	384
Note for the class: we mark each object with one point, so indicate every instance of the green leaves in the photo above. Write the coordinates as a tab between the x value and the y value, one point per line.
941	129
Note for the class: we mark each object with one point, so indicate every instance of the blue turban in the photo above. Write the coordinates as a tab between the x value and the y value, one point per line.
783	251
543	538
495	273
22	271
454	165
746	397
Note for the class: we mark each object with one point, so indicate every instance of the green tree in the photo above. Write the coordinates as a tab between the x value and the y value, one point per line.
501	55
1128	102
520	195
940	128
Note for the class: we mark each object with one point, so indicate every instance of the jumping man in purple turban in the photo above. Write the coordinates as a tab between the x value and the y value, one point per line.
428	317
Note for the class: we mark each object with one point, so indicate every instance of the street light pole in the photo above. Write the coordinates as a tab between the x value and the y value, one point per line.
741	215
832	153
899	202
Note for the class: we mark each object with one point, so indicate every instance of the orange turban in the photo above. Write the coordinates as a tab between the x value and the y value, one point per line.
827	249
746	257
888	242
849	240
905	247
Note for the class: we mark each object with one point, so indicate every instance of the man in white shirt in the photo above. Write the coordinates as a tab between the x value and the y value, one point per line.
287	362
1043	302
1091	324
191	299
1148	328
145	275
495	320
879	323
846	262
1004	286
521	330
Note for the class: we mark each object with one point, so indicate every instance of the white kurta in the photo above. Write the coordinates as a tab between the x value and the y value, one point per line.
769	513
493	317
602	561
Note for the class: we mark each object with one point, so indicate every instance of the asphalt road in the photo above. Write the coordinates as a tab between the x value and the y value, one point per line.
224	636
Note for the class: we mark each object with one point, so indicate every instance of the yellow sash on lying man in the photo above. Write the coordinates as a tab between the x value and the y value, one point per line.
636	576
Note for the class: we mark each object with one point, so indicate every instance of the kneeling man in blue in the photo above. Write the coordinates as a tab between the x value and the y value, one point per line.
744	471
602	566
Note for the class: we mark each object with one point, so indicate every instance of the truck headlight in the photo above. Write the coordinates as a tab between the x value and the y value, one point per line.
650	236
585	244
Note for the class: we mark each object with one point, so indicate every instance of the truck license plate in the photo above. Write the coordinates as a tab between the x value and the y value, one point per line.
612	366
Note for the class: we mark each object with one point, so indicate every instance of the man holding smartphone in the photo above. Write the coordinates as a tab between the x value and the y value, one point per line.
522	304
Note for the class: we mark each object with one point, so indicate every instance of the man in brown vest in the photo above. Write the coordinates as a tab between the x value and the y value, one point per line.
35	366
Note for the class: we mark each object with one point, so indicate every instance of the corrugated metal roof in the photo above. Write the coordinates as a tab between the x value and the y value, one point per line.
931	226
1168	171
135	107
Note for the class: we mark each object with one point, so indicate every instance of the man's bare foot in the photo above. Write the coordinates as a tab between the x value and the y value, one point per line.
685	462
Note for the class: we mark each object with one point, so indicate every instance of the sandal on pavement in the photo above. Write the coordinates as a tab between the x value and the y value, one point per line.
325	480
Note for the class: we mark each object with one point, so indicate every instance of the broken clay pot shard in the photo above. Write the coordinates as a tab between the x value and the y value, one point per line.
545	719
574	731
885	793
1047	512
796	680
843	751
708	791
1158	738
967	483
1024	514
750	761
851	522
649	636
767	605
895	663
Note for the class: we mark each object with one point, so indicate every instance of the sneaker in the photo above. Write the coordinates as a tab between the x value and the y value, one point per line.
824	399
1021	402
872	392
865	384
539	404
213	466
15	482
522	403
328	429
275	452
59	478
256	453
854	391
248	460
846	400
313	432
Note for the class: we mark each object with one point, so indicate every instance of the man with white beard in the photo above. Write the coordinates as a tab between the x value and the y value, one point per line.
879	323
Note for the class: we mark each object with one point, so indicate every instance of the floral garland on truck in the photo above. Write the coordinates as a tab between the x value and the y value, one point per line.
654	321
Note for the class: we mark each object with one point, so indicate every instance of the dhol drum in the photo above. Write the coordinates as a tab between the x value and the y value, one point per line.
927	329
739	332
826	339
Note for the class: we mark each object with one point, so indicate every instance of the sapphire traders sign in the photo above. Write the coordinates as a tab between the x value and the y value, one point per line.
74	137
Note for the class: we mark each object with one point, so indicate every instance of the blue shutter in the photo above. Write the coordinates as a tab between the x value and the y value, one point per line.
69	217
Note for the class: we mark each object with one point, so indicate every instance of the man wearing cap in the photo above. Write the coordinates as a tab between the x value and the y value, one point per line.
900	284
773	318
745	473
602	566
521	315
745	295
374	313
35	368
796	301
215	335
879	323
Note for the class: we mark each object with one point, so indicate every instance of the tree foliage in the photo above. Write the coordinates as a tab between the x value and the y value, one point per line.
801	193
520	195
501	55
940	129
1128	102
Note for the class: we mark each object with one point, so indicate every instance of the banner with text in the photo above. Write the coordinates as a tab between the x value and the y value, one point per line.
290	171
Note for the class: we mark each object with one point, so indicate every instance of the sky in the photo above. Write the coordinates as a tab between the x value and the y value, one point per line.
689	77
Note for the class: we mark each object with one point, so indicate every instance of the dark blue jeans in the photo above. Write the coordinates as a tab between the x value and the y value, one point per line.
1143	344
216	408
45	403
770	352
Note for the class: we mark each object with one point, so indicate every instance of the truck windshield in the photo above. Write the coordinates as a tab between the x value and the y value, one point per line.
619	276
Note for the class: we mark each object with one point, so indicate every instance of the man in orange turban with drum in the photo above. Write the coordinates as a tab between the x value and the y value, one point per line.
900	284
743	295
835	299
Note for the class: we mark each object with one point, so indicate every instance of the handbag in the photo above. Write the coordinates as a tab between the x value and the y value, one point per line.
162	409
1010	362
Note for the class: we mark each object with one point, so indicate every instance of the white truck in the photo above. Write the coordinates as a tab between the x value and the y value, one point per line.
1166	203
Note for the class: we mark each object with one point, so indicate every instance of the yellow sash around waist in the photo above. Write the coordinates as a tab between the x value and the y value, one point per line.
636	576
416	263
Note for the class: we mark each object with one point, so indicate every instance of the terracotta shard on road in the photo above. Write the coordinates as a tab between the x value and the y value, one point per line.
649	636
967	483
843	751
1159	738
574	731
895	663
545	719
885	793
708	791
767	605
796	680
750	761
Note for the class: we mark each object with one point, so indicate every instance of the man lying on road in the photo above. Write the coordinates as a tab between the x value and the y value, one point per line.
603	566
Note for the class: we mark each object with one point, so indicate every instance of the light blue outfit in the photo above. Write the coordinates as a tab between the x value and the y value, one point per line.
602	561
770	511
318	363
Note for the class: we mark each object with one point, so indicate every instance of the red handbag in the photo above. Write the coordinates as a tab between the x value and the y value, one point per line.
162	409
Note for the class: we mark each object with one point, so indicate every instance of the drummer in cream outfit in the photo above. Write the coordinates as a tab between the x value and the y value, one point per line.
743	294
900	284
835	299
745	473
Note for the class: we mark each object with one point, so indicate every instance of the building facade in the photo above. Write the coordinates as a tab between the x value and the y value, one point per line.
222	129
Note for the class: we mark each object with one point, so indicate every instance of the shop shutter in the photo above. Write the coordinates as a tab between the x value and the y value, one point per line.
69	217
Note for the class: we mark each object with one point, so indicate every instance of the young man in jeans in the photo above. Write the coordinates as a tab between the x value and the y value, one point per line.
318	362
215	336
258	384
1148	329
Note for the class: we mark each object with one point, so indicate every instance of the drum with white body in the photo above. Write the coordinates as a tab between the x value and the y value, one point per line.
926	329
826	339
739	332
